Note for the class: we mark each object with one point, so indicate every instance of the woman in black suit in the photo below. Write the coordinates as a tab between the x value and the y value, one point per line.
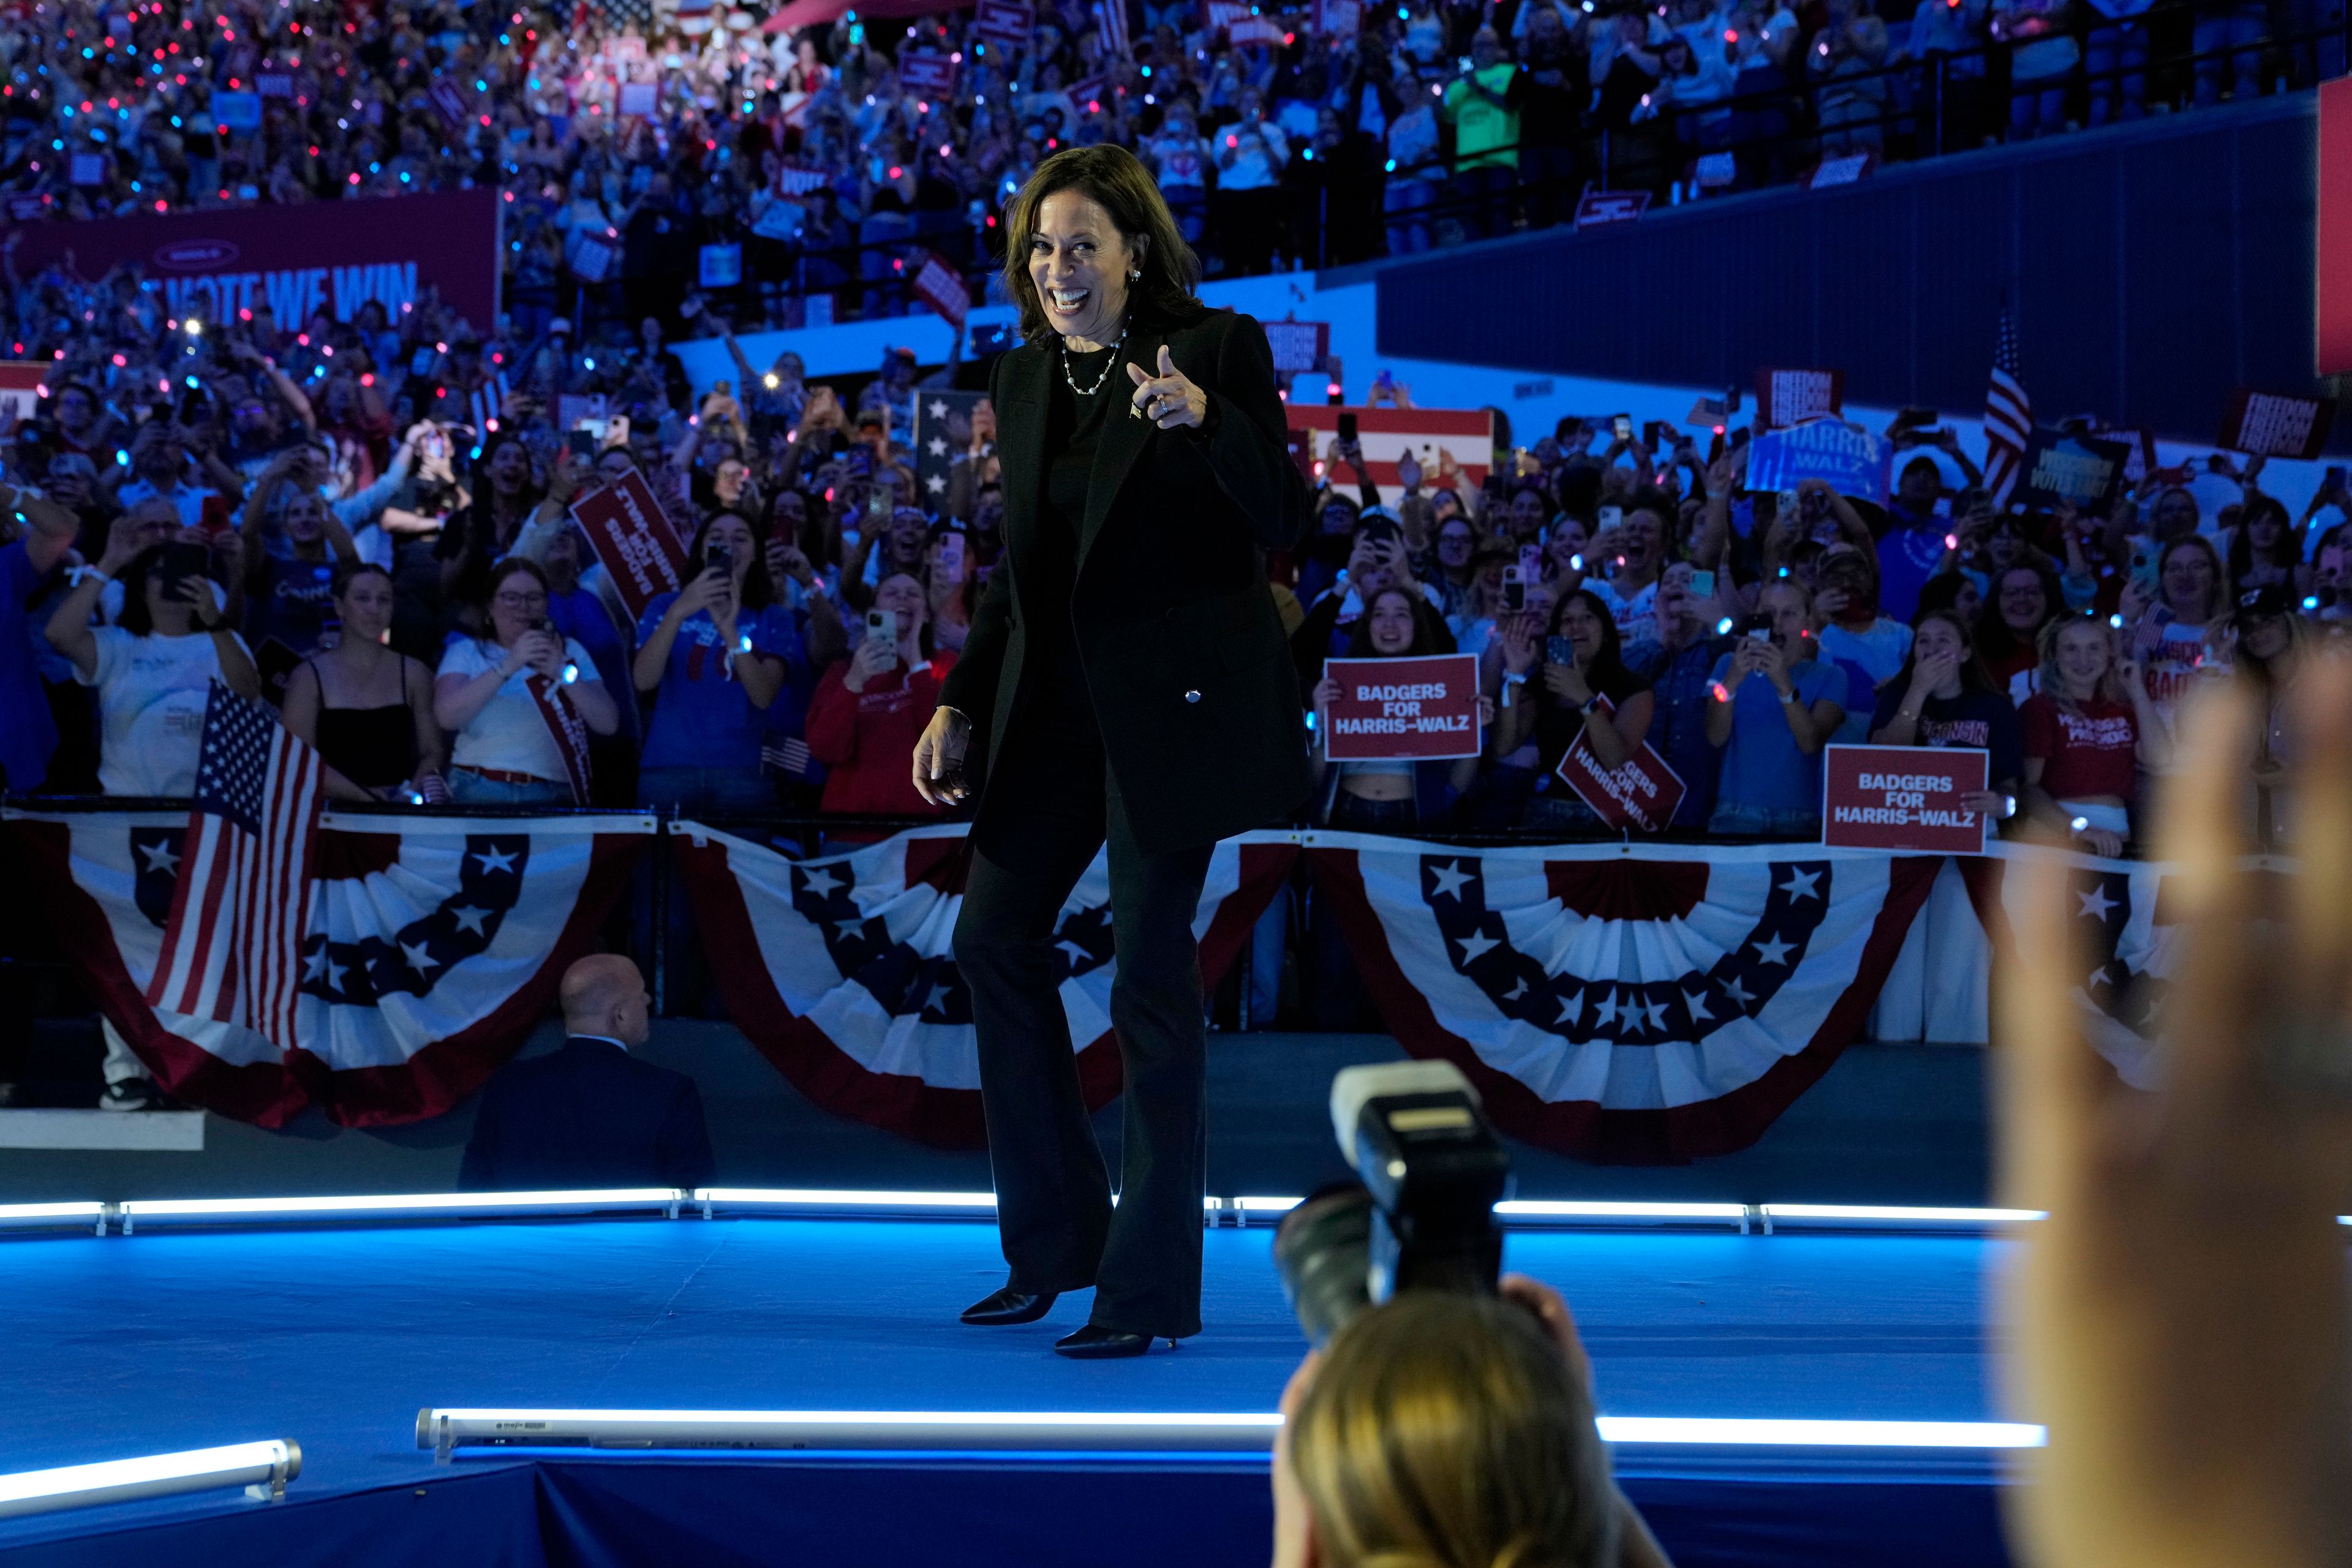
1125	678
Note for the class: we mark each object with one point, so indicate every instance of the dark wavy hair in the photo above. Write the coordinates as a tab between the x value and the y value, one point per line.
1114	178
1996	640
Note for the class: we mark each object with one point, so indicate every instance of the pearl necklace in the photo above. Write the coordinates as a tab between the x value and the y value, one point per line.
1108	365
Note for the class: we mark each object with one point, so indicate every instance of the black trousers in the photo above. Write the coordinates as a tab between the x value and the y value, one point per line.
1047	807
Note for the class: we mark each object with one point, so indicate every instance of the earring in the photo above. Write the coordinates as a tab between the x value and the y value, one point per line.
1135	275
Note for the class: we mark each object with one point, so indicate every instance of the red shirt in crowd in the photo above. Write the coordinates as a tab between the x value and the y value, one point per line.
2090	748
868	738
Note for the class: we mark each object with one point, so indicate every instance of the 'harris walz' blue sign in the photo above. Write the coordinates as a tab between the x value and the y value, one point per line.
1852	460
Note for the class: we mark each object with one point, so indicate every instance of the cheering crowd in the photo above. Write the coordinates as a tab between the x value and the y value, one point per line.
307	514
816	163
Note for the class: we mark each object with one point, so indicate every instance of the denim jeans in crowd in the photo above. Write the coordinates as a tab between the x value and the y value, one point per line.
2241	29
693	792
1756	822
467	787
2121	47
1409	213
1556	808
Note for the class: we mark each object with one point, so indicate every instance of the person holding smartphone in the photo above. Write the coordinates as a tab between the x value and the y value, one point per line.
1773	704
505	753
1571	684
871	709
713	655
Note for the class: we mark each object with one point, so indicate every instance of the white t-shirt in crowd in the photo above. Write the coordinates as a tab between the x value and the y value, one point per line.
151	692
509	734
1636	619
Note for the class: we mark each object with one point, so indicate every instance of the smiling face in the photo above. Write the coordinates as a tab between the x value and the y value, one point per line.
2189	582
306	517
517	605
2023	603
903	596
2084	652
1389	623
1566	544
1580	627
1078	262
2266	636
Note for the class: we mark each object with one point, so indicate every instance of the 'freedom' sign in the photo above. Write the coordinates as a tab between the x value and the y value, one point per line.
626	527
1403	709
1904	798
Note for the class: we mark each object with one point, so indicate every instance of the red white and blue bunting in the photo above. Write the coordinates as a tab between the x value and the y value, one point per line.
842	970
434	945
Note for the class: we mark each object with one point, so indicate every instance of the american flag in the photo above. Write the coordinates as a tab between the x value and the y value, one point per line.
942	434
1111	16
232	947
2009	414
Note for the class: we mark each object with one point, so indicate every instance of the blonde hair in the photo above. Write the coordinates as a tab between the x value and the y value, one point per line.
1446	1431
2110	688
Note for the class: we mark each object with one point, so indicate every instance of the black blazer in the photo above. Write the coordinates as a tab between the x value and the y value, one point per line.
1176	628
588	1115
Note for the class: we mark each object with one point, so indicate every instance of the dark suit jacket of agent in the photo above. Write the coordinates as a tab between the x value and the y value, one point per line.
588	1115
1183	648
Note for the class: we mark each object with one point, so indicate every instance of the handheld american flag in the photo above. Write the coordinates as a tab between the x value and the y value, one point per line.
2009	414
232	947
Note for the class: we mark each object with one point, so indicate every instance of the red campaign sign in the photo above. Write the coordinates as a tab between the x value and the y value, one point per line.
2277	424
1596	208
23	383
1640	796
1904	798
2334	312
1005	21
938	285
1786	397
1408	710
927	70
626	527
336	257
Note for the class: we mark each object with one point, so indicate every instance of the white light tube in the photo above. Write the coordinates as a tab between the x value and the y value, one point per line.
262	1469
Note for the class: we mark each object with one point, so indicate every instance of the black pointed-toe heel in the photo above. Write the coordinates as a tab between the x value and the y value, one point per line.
1094	1343
1008	1306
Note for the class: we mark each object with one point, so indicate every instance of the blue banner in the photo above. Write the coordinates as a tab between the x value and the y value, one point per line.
1849	459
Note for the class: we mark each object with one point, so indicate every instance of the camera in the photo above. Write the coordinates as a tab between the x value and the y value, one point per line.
1422	1215
719	559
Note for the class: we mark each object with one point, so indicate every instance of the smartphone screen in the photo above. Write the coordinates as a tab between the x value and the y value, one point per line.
1347	428
1514	590
1560	650
1622	427
1702	585
952	554
582	442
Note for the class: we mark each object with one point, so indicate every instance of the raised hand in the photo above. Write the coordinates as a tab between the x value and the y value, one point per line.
1169	399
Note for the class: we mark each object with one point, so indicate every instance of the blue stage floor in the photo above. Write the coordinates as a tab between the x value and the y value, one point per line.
335	1338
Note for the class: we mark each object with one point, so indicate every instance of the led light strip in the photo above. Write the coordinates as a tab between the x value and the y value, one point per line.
853	1203
35	1216
1886	1216
447	1430
262	1469
397	1205
444	1431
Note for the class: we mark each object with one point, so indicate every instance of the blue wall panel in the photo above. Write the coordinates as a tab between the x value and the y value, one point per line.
2153	267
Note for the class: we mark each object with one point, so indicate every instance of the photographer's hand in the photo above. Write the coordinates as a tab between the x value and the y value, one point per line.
2181	1322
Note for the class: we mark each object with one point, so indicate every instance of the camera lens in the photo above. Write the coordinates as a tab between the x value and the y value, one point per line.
1323	1253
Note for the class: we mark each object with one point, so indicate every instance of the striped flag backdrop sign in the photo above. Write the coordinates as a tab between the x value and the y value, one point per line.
232	947
1442	441
432	945
1110	15
840	971
2009	414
